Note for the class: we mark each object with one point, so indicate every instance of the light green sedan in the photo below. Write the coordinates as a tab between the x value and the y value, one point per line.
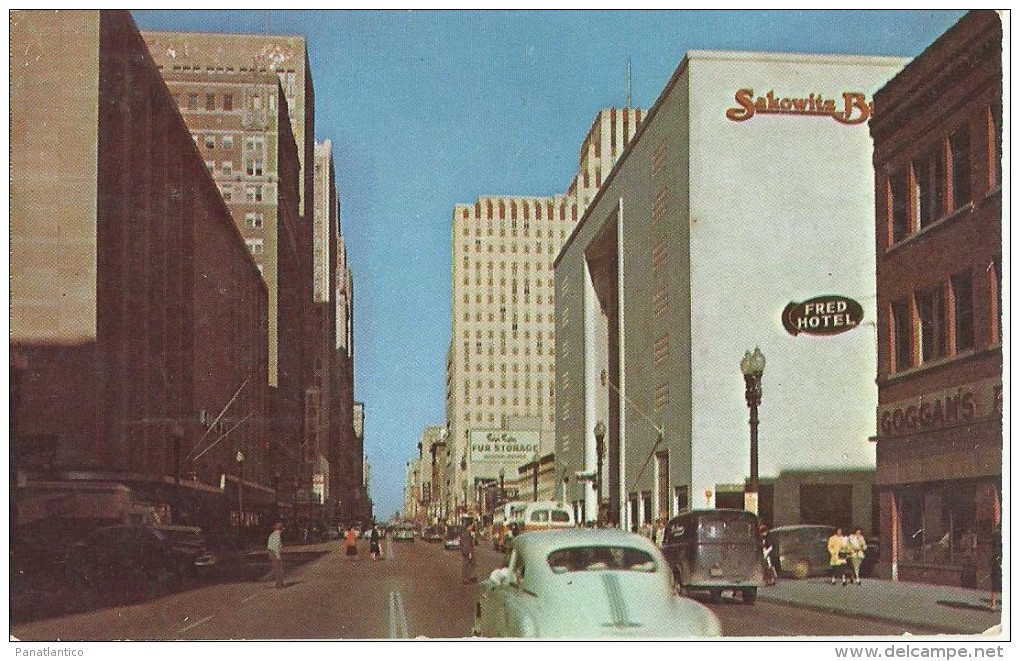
587	584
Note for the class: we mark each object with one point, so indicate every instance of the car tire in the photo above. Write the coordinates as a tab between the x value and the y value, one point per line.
749	596
715	596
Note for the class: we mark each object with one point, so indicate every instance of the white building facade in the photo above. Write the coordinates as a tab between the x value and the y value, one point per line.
747	188
500	398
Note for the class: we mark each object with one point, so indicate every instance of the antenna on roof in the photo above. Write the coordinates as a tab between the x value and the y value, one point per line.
628	82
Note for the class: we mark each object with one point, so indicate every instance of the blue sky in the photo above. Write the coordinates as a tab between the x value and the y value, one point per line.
427	109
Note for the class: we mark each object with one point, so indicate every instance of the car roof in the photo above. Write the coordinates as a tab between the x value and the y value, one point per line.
546	541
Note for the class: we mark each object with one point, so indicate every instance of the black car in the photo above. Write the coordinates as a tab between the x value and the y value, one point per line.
452	540
124	559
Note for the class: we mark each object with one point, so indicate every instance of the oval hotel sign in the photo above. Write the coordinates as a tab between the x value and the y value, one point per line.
822	315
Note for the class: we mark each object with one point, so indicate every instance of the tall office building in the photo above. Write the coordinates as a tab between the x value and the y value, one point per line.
501	363
249	103
330	431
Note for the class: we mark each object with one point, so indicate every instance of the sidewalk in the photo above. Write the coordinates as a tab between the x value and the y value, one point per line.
956	610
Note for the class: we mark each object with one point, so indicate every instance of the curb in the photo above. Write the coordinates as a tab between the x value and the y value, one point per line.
878	617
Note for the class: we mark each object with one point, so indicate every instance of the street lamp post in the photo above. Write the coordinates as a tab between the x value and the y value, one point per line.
753	366
600	448
502	491
240	488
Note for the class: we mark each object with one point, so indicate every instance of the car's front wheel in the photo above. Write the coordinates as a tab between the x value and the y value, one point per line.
749	595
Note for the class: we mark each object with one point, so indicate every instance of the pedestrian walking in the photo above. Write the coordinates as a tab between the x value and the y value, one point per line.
768	556
995	561
856	545
837	556
351	544
467	554
373	543
275	548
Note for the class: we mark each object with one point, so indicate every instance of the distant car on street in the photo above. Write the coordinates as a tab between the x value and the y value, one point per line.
403	534
452	540
587	584
433	534
801	550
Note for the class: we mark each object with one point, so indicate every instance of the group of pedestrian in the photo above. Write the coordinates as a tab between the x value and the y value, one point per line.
846	554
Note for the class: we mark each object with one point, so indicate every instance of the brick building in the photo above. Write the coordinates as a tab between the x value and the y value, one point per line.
938	230
138	315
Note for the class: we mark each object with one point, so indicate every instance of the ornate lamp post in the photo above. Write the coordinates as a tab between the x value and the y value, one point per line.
753	366
600	449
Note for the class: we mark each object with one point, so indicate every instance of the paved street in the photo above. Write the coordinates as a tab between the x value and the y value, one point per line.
415	591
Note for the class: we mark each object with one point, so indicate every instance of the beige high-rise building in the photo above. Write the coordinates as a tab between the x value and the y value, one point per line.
501	362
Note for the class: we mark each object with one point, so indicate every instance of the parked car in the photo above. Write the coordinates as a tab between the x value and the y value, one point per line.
715	550
189	550
452	539
433	534
403	534
584	584
801	550
124	558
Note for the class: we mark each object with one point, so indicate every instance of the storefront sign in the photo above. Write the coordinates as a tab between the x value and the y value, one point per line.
504	447
850	108
822	315
941	409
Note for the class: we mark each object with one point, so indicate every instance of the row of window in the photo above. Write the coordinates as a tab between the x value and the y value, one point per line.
210	102
502	367
479	417
938	322
491	316
251	193
939	182
527	320
525	248
252	167
525	208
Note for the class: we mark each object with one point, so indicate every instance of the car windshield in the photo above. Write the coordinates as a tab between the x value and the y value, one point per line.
600	558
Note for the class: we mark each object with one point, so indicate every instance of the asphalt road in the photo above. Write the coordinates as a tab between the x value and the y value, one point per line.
414	591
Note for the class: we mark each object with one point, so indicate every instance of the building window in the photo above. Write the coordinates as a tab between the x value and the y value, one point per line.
228	102
995	144
253	219
903	357
210	142
255	246
254	167
228	193
995	275
929	180
662	484
227	167
210	166
899	197
963	311
192	102
210	102
228	142
959	150
931	323
661	348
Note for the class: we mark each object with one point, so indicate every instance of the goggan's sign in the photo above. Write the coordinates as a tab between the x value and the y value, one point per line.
822	315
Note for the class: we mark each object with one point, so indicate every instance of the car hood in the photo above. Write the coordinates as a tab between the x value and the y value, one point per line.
610	605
